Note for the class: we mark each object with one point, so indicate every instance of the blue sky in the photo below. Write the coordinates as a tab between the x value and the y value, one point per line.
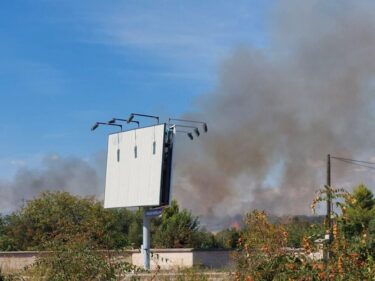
67	64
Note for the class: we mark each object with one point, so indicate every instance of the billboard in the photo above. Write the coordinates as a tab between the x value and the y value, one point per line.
138	168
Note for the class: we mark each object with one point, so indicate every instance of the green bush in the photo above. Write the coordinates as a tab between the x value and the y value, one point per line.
262	254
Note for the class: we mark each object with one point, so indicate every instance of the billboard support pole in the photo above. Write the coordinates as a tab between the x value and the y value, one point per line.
146	247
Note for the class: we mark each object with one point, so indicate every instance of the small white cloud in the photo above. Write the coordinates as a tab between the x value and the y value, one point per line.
53	157
197	35
18	162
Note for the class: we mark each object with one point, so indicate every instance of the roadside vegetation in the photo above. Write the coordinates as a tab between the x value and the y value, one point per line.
54	216
262	253
82	238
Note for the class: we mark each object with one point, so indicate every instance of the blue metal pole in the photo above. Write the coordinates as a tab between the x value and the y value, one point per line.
146	247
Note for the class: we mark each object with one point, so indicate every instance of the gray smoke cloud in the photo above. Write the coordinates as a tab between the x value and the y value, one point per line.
276	113
56	173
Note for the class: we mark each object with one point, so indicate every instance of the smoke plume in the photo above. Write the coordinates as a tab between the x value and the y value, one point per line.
70	174
273	117
278	111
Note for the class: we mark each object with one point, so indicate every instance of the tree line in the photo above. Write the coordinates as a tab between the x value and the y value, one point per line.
73	229
61	216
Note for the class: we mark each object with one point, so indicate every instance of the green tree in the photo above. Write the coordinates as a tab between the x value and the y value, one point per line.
134	232
57	215
5	240
359	210
371	238
298	228
227	238
364	198
176	229
76	231
203	239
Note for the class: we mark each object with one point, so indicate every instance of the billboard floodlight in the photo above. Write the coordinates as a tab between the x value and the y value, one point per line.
113	121
131	117
205	128
189	134
204	124
196	130
96	125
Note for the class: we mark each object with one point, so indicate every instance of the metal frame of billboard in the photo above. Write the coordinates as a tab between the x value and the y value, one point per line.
166	184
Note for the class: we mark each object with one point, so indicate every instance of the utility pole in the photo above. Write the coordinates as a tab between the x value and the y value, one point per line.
328	237
329	195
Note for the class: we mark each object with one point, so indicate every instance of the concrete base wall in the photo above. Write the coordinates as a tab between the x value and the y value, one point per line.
166	259
184	258
175	276
15	261
213	258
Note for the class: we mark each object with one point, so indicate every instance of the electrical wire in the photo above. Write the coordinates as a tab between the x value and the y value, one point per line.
355	162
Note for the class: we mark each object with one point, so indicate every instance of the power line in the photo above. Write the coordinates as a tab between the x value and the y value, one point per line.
353	160
349	161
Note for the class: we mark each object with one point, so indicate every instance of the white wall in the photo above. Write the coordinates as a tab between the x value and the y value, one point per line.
165	258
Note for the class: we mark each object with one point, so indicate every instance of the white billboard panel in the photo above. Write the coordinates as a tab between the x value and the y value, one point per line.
134	167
